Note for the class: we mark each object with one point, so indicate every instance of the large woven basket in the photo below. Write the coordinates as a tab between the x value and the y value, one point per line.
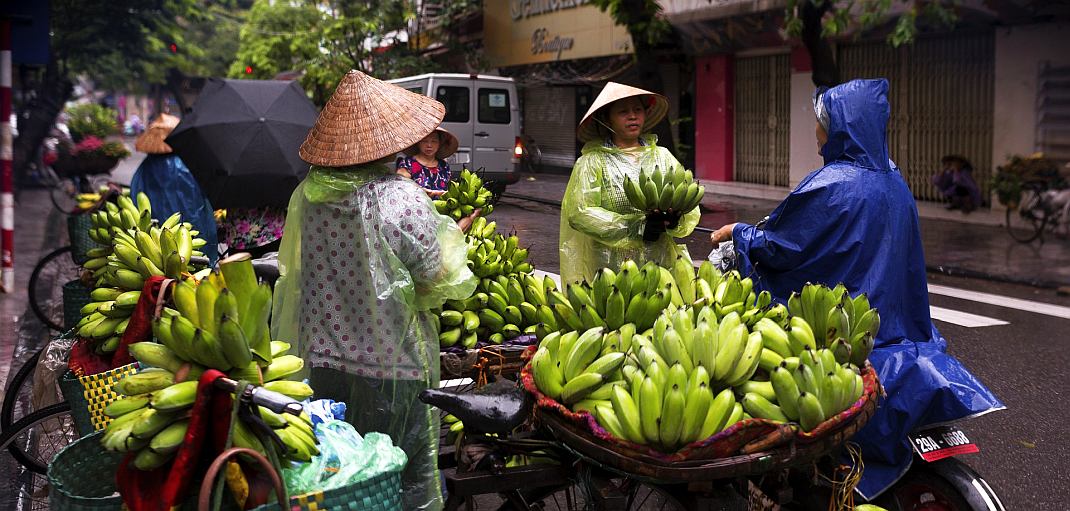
78	226
380	493
82	477
90	394
75	296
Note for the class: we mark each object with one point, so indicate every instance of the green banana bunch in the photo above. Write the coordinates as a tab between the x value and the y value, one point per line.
495	255
497	311
832	314
463	196
672	191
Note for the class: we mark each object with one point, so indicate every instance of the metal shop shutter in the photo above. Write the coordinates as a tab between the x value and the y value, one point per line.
762	119
1053	113
940	91
549	119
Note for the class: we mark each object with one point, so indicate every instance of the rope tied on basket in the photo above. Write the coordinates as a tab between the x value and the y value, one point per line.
481	365
843	488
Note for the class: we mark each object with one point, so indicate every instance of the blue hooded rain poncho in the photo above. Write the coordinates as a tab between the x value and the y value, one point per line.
173	189
855	221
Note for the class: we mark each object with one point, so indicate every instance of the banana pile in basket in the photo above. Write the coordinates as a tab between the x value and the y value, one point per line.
708	361
133	250
220	322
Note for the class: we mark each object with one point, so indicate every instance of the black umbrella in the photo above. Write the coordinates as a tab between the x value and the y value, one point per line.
241	139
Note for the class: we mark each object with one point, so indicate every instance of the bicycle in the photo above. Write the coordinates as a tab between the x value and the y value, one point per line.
1040	210
33	440
584	474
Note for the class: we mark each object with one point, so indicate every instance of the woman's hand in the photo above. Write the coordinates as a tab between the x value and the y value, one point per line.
466	222
723	234
434	194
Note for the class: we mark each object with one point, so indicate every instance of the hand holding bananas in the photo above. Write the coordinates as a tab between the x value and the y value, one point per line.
671	193
721	355
464	196
134	250
219	323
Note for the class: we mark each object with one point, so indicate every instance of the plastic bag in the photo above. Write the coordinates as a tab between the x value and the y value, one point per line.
723	256
345	458
49	370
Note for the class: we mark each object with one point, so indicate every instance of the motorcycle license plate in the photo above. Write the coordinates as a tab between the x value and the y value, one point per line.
943	442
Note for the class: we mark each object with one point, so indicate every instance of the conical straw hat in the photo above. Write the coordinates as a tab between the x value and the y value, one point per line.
447	146
656	108
152	140
367	119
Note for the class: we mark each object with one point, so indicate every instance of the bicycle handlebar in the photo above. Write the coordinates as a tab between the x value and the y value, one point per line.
269	399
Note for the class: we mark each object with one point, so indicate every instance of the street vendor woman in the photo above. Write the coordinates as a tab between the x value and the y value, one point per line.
599	227
425	163
364	259
170	186
855	221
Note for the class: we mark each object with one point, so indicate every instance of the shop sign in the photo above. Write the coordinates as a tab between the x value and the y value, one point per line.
527	8
519	32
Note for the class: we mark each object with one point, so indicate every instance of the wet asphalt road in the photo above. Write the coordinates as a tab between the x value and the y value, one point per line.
1023	451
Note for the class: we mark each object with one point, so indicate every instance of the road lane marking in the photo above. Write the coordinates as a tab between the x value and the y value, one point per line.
1002	301
963	318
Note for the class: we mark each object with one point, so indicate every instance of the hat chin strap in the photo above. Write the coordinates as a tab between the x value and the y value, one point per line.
611	130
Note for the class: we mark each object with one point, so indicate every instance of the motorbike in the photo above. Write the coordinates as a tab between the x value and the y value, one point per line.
938	480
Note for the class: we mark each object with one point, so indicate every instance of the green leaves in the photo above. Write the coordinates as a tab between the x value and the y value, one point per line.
855	16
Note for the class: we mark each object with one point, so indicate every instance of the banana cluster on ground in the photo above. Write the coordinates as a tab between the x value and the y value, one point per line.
722	355
134	250
674	191
219	323
499	310
837	318
463	196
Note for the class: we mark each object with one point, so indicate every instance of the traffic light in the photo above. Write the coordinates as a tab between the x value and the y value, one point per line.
248	70
173	47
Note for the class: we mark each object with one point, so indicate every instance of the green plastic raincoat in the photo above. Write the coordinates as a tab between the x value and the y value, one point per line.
364	259
599	227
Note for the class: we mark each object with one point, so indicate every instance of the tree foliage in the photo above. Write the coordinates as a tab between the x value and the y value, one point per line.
119	42
322	40
840	17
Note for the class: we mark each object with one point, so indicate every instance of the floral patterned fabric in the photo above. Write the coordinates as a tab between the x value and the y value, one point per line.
251	228
431	178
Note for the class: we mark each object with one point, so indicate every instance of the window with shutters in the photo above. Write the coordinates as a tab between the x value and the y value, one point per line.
762	110
940	91
1053	113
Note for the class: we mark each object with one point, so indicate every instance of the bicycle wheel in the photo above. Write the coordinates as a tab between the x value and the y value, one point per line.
64	196
626	494
34	439
1025	225
46	286
17	396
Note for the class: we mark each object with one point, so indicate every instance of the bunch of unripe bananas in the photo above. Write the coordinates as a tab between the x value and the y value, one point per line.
700	367
672	191
837	318
463	196
219	323
501	309
497	255
135	250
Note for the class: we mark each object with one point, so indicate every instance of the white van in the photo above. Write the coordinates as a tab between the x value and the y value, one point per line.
482	111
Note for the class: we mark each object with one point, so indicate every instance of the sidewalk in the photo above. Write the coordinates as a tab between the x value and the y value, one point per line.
39	229
951	247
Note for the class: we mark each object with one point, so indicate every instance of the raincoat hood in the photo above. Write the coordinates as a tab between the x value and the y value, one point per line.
858	114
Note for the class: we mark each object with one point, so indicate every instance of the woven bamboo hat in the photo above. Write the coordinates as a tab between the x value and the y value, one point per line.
152	140
447	145
367	119
656	108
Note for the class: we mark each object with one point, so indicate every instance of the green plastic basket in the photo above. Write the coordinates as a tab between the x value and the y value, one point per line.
380	493
78	226
90	394
75	296
82	477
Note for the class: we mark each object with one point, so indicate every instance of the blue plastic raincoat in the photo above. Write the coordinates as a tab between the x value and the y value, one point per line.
172	189
855	221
